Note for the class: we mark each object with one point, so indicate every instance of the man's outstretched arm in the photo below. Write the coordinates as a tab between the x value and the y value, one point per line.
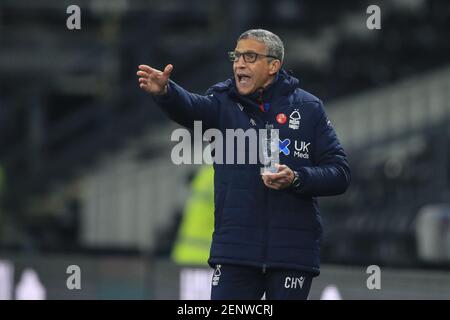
181	106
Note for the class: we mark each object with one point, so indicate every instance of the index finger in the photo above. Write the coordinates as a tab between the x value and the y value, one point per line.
281	167
147	68
273	176
278	175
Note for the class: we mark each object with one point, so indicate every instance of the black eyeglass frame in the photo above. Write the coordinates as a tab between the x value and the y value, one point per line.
249	56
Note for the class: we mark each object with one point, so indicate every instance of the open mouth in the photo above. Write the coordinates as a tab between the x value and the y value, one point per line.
243	79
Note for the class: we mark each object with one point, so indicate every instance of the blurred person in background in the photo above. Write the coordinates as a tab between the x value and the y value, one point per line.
193	241
197	225
267	228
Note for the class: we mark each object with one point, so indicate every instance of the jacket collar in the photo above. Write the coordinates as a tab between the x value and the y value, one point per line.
283	85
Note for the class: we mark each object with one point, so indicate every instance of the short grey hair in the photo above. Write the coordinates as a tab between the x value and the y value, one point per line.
273	42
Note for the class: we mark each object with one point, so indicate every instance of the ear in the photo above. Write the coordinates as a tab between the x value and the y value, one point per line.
274	66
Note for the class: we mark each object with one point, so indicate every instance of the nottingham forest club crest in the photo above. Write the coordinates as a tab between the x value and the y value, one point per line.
294	120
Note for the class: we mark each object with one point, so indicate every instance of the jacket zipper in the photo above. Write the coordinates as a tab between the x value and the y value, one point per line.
266	192
265	235
266	218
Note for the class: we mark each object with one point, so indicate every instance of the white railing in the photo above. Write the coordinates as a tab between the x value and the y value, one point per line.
387	112
126	203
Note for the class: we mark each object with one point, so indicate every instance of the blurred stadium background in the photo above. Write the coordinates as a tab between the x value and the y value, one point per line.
85	171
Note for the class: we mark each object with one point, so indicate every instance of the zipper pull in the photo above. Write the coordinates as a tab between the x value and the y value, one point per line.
264	268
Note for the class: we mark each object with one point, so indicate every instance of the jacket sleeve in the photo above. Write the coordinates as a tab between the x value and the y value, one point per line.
330	174
184	107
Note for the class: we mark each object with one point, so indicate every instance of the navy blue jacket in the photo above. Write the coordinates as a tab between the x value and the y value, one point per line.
255	225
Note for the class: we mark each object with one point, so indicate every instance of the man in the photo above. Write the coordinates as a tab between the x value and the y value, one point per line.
267	227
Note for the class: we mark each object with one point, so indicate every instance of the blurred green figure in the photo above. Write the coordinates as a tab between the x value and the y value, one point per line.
197	225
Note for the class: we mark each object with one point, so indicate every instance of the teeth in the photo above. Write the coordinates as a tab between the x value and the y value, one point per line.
244	79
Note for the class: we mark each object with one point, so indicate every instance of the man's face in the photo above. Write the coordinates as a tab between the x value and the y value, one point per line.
252	76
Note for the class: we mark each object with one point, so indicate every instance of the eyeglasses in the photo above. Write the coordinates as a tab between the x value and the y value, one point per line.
249	57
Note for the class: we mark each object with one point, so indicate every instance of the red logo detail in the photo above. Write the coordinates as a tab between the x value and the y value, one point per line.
281	118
